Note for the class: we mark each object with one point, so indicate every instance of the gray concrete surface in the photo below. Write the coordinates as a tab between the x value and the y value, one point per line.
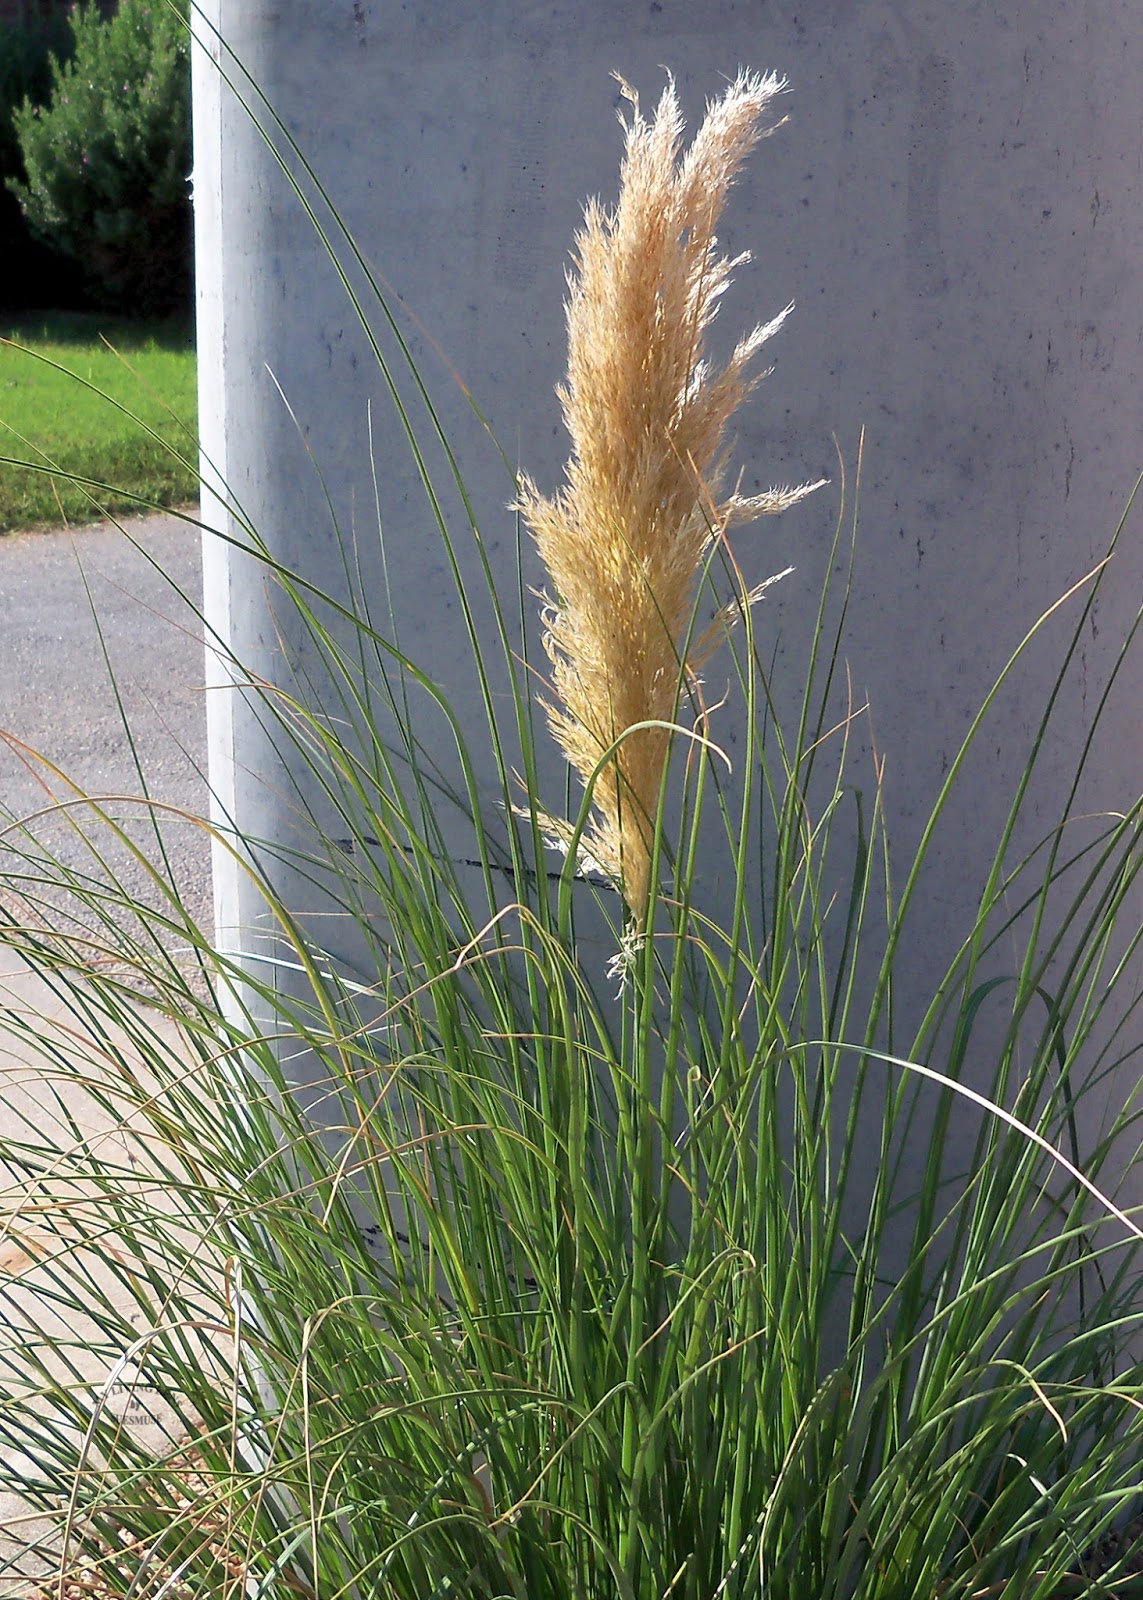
955	208
61	723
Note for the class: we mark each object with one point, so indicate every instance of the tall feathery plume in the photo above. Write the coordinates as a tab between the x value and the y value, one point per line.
626	537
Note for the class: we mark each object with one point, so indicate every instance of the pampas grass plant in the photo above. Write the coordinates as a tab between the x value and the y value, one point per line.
627	539
573	1298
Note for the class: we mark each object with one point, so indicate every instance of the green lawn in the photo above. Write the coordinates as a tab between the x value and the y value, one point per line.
45	415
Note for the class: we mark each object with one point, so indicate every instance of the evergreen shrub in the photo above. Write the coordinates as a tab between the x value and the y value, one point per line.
107	161
29	269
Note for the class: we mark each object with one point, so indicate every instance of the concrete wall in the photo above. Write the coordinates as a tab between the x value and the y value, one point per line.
955	206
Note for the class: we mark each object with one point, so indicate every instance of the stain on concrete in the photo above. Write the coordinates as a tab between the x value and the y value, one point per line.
928	273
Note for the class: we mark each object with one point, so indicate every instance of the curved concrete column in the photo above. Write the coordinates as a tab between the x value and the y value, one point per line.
955	207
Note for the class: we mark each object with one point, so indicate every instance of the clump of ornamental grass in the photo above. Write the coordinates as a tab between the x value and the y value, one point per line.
782	1275
627	538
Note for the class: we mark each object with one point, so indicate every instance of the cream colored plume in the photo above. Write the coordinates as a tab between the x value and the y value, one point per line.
626	537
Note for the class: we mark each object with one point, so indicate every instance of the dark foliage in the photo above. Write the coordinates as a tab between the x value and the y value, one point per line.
107	161
31	274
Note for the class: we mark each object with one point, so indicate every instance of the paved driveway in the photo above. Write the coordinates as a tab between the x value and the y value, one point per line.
58	592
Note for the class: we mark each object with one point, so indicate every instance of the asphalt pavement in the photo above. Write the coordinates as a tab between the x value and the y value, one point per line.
99	632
